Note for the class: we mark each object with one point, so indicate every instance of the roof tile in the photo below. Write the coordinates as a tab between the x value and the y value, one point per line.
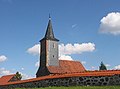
66	66
5	79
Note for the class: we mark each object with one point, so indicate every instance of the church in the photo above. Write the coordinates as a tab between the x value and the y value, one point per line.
55	72
49	62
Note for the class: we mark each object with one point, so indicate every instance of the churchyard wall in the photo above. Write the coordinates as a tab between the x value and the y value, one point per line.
69	81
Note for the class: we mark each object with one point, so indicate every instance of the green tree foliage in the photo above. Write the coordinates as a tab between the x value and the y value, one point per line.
18	76
102	66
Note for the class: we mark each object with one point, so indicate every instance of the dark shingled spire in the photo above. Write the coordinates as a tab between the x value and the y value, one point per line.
49	32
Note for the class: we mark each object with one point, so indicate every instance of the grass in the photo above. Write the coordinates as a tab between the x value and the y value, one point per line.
78	87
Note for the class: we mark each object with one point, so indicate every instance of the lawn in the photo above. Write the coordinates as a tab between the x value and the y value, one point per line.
78	87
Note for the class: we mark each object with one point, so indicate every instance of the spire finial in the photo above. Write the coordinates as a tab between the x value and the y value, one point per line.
49	17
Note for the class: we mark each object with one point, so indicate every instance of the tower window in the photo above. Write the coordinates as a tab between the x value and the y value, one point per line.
53	45
53	56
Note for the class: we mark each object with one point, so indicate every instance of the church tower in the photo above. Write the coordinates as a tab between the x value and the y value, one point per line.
48	51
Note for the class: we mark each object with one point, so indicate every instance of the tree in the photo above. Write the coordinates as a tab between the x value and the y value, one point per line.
102	66
18	76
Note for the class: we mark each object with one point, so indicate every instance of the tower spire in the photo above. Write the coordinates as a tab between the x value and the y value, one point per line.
49	16
49	35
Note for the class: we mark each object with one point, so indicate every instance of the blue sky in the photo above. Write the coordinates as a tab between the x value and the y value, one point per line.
90	28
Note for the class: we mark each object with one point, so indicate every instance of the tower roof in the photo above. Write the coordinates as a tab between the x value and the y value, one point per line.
49	35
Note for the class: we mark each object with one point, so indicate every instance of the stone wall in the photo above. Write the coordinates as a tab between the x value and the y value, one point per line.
70	81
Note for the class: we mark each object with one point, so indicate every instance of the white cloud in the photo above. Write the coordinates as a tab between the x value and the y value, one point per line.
3	58
83	62
111	23
22	69
107	65
93	67
3	71
74	25
25	76
76	48
37	64
62	57
67	49
65	57
117	67
35	50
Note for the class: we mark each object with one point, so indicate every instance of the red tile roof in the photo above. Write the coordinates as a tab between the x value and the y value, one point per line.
66	66
87	73
5	79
